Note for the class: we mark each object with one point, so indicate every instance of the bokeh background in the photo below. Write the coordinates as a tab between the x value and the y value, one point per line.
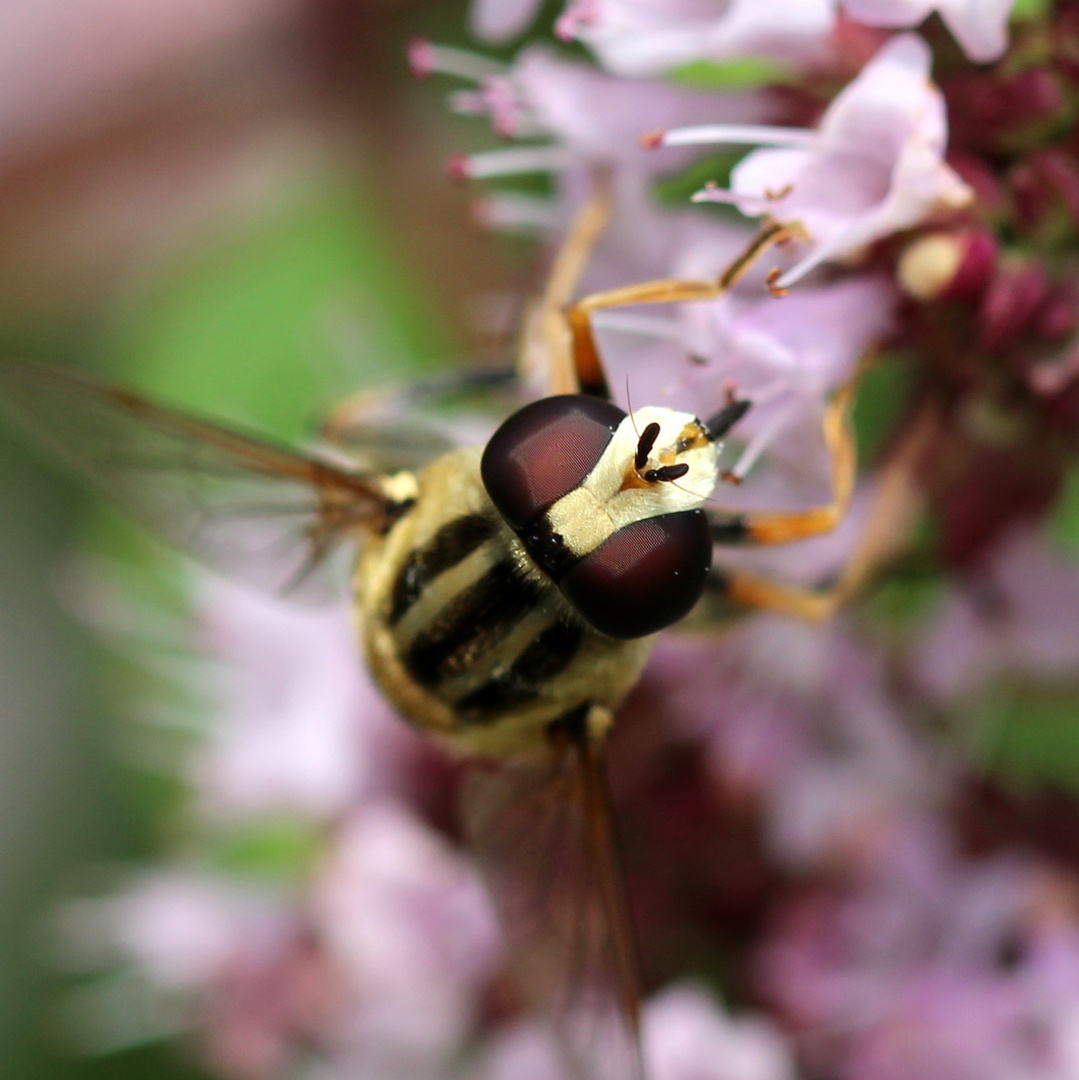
241	206
193	194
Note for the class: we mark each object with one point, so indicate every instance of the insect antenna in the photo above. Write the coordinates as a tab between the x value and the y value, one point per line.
645	441
668	472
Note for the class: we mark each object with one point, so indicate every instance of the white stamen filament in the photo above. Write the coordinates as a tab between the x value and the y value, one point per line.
759	442
428	58
740	135
800	269
524	159
504	211
745	203
508	118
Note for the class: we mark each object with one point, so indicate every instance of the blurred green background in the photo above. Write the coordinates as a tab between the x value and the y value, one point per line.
236	216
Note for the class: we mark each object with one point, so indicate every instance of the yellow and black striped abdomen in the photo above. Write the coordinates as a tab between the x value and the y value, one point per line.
465	635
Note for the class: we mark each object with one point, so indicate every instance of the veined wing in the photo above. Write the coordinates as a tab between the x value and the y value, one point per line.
244	504
542	832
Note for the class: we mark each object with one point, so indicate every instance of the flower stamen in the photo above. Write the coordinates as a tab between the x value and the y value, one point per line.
426	58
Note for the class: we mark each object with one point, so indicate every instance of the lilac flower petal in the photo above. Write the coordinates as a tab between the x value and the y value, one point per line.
412	932
298	725
1019	615
877	166
185	930
927	965
787	356
980	26
596	117
501	20
687	1037
631	37
523	1051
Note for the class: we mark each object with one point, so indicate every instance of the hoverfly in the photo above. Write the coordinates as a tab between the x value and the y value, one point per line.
508	594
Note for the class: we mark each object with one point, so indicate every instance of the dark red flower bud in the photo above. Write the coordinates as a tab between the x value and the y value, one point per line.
1011	303
1045	183
1059	315
986	110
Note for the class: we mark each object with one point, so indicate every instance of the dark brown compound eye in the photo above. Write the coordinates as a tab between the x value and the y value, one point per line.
544	451
644	577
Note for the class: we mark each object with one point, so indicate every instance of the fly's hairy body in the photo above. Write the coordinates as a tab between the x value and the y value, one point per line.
466	636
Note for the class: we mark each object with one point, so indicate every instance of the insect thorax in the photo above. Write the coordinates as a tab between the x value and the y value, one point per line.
465	635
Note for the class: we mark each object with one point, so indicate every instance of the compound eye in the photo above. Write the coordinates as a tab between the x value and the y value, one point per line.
643	577
544	451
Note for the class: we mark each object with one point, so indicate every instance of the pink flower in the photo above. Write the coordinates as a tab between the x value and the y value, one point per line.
197	951
648	37
585	116
787	356
297	725
522	1051
412	934
1019	613
926	967
873	167
800	718
687	1036
185	930
980	26
501	20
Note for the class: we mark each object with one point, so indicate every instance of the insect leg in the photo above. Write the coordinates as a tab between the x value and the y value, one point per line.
586	360
545	346
741	589
897	505
759	527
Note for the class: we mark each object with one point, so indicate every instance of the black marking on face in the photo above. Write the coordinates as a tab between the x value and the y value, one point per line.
571	726
545	658
667	473
547	549
730	529
455	541
471	624
645	444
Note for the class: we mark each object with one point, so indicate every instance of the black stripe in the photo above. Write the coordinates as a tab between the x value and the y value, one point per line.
394	512
571	726
456	540
730	529
547	549
471	624
549	655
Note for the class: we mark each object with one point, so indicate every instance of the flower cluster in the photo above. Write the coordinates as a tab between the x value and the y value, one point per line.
830	874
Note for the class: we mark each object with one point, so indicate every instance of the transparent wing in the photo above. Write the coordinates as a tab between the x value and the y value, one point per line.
241	503
541	831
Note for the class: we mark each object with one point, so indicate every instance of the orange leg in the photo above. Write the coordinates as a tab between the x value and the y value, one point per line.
585	353
897	504
779	527
546	351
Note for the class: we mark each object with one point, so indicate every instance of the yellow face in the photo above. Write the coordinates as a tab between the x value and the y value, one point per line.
619	491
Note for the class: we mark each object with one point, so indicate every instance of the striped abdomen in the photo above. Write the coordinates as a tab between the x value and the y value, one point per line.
465	635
